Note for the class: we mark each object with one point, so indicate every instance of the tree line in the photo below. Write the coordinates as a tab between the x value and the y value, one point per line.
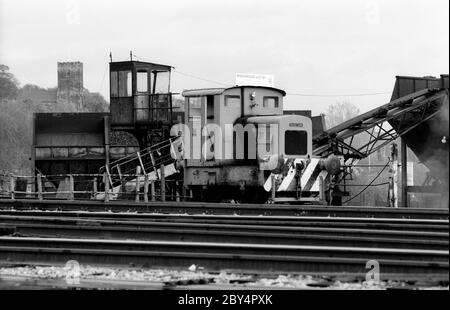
17	105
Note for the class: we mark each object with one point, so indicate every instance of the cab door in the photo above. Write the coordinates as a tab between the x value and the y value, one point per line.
196	121
141	98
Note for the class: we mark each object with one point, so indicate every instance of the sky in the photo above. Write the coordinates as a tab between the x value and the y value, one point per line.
330	49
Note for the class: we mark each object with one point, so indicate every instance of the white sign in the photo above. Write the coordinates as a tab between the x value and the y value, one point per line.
251	79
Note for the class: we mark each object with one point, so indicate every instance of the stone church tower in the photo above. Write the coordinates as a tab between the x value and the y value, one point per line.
70	84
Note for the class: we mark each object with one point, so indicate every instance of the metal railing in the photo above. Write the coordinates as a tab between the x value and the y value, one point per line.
45	152
73	187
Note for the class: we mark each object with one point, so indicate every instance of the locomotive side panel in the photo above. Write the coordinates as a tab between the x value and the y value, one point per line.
262	101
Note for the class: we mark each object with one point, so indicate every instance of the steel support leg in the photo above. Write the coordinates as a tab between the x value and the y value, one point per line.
404	163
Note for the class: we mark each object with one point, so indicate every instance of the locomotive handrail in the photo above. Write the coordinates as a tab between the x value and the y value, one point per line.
148	167
133	155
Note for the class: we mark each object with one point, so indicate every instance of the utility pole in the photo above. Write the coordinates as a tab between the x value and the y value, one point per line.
404	163
393	179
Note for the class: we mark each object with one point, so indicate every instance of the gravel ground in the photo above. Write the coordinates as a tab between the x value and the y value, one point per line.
195	276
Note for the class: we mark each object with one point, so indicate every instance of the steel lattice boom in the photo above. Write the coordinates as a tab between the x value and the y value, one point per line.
381	125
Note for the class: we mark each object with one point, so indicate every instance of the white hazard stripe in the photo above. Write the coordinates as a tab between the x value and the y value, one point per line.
309	171
268	183
290	177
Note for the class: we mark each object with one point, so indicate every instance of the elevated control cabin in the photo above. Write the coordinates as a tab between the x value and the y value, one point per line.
140	98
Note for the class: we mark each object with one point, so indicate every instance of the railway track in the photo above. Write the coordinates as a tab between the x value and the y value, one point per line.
219	256
302	234
317	240
328	222
223	209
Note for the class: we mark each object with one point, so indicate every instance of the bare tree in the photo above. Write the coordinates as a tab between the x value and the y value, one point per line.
9	86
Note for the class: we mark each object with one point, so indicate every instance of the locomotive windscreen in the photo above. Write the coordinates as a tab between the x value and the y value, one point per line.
296	142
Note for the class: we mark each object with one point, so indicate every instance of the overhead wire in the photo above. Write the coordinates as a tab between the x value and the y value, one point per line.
370	184
339	95
288	93
202	79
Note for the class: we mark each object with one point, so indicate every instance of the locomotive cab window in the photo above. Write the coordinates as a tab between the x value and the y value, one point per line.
121	84
195	108
210	108
142	81
124	83
233	101
270	102
161	82
114	84
296	142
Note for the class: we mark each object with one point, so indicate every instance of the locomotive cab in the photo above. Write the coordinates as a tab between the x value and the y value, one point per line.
282	137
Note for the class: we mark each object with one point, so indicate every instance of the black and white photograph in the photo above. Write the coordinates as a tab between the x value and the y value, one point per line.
224	152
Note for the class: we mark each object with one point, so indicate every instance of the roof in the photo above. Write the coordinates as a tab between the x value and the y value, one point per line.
124	64
202	92
218	91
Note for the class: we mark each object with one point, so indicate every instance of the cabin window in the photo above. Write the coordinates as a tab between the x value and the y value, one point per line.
270	102
114	86
125	84
142	81
296	142
120	84
233	101
269	138
195	108
161	82
210	107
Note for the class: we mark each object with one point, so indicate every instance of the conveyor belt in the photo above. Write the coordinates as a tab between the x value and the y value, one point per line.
382	125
